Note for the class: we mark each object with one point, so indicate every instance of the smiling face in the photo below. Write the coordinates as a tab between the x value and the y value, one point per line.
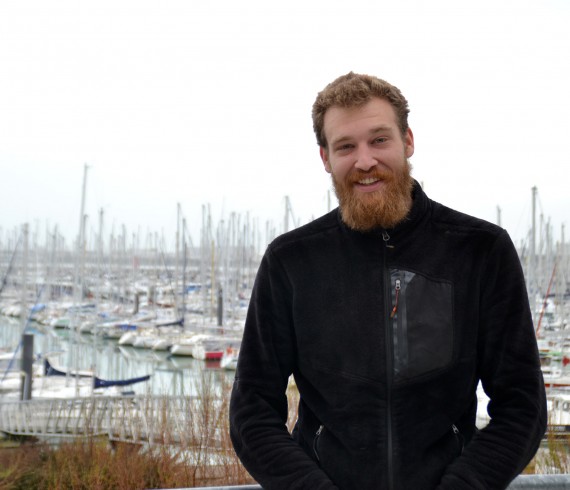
366	155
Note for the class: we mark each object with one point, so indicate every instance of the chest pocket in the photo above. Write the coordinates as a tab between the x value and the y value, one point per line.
422	324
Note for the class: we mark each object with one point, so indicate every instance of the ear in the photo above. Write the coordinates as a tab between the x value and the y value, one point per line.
409	143
325	159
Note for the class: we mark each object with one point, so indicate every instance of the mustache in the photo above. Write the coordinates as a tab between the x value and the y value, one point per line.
357	175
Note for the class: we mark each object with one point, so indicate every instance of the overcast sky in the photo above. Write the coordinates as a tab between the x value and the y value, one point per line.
199	102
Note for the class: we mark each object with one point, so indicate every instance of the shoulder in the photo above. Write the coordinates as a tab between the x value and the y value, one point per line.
445	222
452	221
469	233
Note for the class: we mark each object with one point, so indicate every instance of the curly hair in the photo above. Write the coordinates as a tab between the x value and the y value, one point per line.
353	90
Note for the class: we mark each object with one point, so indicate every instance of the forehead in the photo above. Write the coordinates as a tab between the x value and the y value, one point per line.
342	121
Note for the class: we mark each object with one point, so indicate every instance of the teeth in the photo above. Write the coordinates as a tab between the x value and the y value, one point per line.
367	181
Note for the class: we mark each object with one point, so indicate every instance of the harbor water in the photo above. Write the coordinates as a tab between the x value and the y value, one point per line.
169	375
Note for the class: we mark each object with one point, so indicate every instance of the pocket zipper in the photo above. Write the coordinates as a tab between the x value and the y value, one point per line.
315	440
458	437
397	288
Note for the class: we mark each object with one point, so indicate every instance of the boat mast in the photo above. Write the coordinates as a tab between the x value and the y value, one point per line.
184	265
78	280
533	264
24	280
561	282
27	339
175	289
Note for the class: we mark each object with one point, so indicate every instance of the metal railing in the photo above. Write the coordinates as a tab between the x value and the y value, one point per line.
528	482
531	482
151	419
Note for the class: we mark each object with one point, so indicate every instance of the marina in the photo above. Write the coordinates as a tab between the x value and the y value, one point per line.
104	315
113	322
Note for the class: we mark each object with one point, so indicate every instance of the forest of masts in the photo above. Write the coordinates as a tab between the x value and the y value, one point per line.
546	265
113	266
116	266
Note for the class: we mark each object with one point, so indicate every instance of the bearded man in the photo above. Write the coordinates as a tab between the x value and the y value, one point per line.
388	311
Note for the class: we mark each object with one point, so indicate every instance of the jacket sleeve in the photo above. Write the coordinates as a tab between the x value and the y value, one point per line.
509	369
258	405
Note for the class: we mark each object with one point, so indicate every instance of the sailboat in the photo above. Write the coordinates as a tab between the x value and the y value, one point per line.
50	370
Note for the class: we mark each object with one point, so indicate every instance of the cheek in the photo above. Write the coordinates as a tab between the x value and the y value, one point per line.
339	168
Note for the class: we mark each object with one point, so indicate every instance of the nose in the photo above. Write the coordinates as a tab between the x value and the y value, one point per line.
365	160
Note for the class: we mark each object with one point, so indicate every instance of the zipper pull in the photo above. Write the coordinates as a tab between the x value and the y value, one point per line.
319	430
395	309
386	238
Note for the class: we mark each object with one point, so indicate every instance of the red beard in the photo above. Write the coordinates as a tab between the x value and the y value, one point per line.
383	209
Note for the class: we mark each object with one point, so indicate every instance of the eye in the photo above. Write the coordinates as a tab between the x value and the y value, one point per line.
381	139
344	147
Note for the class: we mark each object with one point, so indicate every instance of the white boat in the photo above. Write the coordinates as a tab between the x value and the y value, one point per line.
60	322
145	341
10	375
210	349
13	310
164	343
554	377
184	347
127	338
229	359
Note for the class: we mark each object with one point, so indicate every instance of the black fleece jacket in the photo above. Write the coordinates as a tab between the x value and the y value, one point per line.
387	334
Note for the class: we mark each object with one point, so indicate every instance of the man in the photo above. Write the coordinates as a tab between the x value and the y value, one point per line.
387	311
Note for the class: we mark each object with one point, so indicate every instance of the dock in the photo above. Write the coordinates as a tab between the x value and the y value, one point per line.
186	421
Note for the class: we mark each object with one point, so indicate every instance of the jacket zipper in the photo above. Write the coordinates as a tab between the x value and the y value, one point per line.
389	362
316	440
458	437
